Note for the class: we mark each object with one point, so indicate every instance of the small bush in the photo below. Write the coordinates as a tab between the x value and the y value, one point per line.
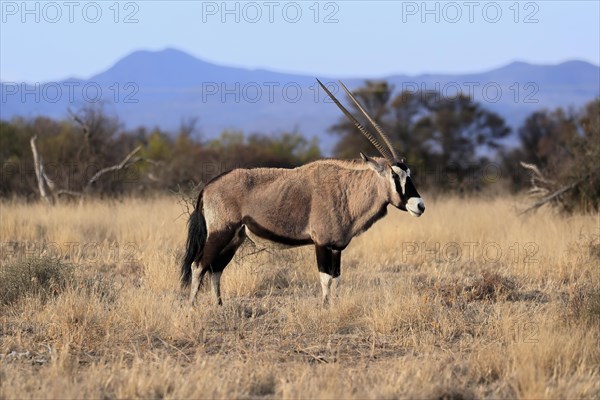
593	306
492	286
262	384
452	394
584	305
43	277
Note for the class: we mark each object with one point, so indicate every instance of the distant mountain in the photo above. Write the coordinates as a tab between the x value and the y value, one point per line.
165	87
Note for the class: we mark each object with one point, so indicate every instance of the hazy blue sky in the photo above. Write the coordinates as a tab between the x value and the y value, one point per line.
54	40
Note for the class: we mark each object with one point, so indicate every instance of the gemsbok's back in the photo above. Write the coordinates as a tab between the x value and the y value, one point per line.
325	203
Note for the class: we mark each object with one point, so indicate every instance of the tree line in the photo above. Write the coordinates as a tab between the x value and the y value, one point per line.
451	144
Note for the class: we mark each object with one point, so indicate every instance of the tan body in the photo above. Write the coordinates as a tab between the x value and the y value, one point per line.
326	202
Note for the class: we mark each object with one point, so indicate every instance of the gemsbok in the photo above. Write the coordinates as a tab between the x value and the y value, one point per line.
325	203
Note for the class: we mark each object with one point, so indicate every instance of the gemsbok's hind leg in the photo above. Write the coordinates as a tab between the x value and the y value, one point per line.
197	277
222	260
219	250
215	243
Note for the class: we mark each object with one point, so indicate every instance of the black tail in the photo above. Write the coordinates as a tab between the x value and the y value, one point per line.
195	243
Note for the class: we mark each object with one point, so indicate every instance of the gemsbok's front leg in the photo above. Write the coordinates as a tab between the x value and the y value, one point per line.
336	269
325	264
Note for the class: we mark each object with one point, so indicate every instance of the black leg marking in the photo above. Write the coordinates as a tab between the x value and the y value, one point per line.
226	255
222	260
215	243
324	259
336	263
325	264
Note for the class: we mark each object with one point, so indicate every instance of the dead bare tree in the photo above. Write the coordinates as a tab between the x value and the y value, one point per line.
42	179
50	192
545	190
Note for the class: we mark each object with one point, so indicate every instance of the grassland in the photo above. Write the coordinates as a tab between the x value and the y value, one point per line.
469	301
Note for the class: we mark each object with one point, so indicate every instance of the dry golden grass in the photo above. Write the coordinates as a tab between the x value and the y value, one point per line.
469	301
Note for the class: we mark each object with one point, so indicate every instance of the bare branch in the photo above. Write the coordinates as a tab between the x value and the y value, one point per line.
553	196
531	167
126	162
39	172
187	199
86	135
539	183
76	118
68	192
49	182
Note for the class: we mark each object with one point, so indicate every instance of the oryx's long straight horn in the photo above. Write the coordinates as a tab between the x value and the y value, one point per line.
364	131
385	138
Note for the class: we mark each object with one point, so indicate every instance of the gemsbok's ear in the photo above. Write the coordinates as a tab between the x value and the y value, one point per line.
374	165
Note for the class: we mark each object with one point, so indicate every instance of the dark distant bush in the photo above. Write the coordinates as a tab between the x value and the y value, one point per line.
73	151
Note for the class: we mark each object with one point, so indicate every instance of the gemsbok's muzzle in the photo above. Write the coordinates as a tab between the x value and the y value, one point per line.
415	206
